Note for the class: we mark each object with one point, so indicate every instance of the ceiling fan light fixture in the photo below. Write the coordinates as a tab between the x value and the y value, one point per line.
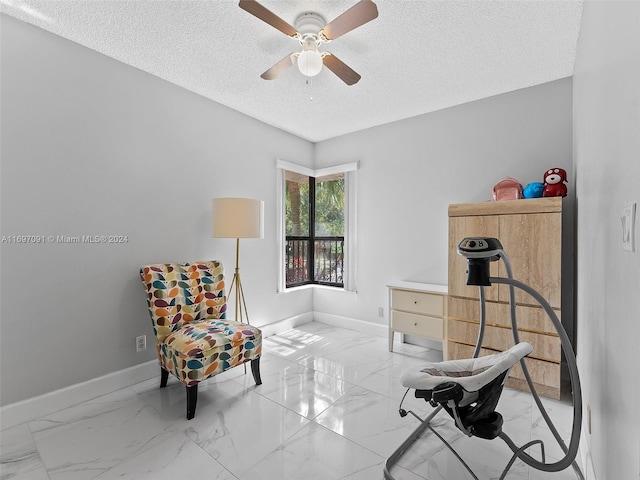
311	31
310	62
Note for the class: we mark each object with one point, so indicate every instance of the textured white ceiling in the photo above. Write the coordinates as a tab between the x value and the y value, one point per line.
418	56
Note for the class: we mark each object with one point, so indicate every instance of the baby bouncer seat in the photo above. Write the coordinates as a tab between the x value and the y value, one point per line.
469	389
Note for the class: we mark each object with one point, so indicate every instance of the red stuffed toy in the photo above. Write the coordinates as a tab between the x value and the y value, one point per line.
554	186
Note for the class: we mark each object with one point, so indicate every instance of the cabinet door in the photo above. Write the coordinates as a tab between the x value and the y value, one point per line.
533	244
460	228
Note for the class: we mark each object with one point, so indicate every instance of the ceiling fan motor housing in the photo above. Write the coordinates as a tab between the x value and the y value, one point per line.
309	23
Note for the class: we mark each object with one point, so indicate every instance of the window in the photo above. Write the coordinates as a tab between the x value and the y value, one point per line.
314	213
317	226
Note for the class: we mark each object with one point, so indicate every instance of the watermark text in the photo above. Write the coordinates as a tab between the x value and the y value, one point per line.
63	239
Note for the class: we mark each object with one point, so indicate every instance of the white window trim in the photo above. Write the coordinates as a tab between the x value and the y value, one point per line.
350	234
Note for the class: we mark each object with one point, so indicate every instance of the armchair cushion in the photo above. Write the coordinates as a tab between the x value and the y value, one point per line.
205	348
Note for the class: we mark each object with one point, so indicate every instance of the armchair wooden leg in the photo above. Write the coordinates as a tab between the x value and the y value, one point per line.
164	376
192	400
255	370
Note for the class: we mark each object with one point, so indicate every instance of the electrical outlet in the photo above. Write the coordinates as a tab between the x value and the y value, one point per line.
380	312
141	343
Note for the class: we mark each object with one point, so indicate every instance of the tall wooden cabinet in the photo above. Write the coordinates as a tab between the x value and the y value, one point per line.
531	234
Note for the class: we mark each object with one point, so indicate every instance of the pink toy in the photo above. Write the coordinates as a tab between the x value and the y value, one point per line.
507	189
554	186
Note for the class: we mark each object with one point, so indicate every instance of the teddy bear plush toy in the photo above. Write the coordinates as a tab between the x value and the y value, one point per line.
554	186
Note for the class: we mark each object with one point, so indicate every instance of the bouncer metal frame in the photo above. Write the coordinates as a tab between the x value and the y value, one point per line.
570	452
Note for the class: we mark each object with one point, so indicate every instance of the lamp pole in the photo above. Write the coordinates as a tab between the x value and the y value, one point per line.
241	308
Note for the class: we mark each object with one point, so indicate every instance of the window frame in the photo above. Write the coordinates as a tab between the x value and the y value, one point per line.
349	257
312	240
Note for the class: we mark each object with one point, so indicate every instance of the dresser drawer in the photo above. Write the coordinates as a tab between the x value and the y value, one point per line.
533	319
417	302
417	324
545	347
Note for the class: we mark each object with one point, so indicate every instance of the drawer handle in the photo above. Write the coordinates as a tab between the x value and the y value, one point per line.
415	302
415	324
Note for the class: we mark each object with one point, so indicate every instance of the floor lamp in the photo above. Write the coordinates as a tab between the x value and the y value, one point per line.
238	218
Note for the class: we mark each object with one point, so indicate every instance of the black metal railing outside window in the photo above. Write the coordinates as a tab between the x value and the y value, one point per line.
329	261
296	261
327	257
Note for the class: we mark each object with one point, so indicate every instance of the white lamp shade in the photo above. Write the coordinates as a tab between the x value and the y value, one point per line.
238	218
310	62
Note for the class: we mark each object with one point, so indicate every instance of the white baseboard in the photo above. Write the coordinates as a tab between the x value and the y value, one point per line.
287	324
36	407
352	324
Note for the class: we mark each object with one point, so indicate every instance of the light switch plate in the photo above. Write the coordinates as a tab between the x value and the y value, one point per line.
629	227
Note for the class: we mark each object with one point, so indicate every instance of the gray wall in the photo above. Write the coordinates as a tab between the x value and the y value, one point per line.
607	162
91	146
411	170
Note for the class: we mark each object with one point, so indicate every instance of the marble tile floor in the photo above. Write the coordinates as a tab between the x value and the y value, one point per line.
327	409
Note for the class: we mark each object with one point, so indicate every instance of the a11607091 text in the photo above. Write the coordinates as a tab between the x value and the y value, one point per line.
64	239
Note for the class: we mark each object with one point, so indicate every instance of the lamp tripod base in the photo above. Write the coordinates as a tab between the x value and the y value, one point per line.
241	314
240	303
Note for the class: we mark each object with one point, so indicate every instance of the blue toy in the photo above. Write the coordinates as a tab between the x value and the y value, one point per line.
533	190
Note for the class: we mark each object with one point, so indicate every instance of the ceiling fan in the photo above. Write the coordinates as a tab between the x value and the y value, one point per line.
311	31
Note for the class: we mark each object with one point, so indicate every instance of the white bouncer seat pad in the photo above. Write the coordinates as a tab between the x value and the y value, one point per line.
470	373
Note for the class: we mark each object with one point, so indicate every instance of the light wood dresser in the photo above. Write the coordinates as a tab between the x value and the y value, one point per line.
418	309
531	233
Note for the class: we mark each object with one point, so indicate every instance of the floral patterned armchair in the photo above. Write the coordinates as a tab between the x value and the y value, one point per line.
194	341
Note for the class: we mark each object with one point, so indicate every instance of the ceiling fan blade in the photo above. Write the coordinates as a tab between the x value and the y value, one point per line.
341	69
361	13
267	16
279	68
